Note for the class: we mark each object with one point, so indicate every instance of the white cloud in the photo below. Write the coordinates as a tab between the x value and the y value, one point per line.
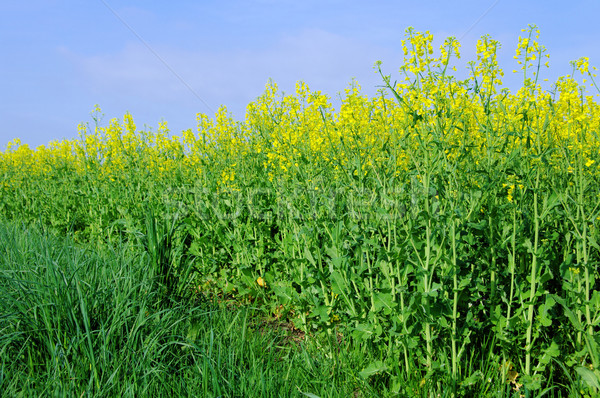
326	61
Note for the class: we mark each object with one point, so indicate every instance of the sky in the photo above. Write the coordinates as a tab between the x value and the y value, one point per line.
168	61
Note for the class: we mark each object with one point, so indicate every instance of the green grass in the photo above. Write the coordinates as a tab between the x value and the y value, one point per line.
75	322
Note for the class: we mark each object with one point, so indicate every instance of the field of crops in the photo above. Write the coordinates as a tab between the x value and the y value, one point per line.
451	227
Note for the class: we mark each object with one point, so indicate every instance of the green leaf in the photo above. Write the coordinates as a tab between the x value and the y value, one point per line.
592	241
386	268
464	283
570	314
528	245
590	378
373	369
284	293
544	318
363	331
552	351
309	257
384	301
593	350
308	394
533	382
473	379
441	320
595	302
547	276
338	283
321	312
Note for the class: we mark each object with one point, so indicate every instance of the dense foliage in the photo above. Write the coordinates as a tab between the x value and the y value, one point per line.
450	225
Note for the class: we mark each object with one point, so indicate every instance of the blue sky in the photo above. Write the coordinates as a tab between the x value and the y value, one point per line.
60	58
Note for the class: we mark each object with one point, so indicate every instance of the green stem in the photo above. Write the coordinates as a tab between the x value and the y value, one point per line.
512	261
404	329
454	302
533	284
426	280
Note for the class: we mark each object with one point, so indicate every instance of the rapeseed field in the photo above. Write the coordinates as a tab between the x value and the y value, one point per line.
449	226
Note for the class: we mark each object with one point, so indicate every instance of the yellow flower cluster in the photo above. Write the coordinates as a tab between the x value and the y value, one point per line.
528	51
302	136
